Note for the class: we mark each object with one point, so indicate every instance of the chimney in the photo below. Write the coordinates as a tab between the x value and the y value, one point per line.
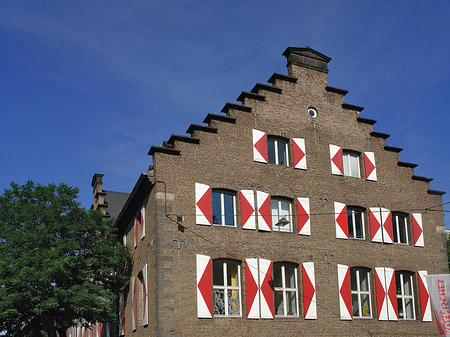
307	58
99	195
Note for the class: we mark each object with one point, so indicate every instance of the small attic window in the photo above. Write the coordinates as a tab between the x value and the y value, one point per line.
312	112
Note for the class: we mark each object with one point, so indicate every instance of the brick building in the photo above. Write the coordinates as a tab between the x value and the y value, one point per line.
287	215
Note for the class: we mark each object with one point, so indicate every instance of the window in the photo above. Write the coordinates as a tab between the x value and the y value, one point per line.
399	228
285	288
350	162
355	221
281	215
277	150
223	208
226	288
360	289
405	297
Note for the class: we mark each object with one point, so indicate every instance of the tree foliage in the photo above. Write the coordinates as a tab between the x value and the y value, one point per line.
58	261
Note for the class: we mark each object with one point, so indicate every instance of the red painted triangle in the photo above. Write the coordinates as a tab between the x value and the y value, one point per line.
261	147
417	231
251	288
265	212
246	209
424	296
302	217
297	152
204	285
342	221
205	205
346	293
337	160
266	288
308	290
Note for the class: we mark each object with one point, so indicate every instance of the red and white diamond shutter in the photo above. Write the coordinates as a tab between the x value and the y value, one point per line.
369	164
142	222
424	295
203	204
337	167
135	230
416	219
259	146
299	153
340	219
375	224
309	290
345	295
386	294
121	314
204	287
145	295
252	291
303	216
265	286
388	232
264	211
98	330
247	200
134	304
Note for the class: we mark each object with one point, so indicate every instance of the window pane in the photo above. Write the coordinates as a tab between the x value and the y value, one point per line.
218	302
407	285
282	153
354	167
291	303
364	280
355	305
229	209
274	208
394	227
365	305
290	276
402	229
353	283
346	165
217	208
398	284
351	233
279	310
400	308
271	150
277	282
359	224
218	273
232	274
233	302
409	310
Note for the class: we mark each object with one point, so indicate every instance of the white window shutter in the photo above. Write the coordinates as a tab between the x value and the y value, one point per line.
375	224
204	286
303	216
145	295
135	230
340	219
337	166
391	294
369	164
203	205
309	290
299	153
247	201
265	285
264	211
388	233
252	291
259	146
134	304
424	294
386	294
416	220
124	239
345	295
142	222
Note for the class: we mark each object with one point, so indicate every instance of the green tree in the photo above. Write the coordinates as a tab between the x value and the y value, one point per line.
58	261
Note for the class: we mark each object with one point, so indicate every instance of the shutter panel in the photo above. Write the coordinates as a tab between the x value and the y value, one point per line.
391	294
375	224
337	166
145	295
424	294
345	295
369	164
142	222
388	233
416	219
135	232
303	216
299	153
203	204
204	287
265	284
134	304
91	330
309	290
124	239
264	211
251	287
98	330
259	146
386	294
247	200
380	288
121	314
340	219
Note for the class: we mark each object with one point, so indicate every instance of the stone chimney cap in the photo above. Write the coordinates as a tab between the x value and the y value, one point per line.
307	57
97	178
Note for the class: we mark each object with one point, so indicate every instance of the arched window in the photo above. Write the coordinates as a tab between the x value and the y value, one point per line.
226	287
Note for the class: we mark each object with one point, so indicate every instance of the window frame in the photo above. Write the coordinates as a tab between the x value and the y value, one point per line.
362	211
360	292
223	216
276	155
403	297
396	228
285	289
346	163
289	216
225	287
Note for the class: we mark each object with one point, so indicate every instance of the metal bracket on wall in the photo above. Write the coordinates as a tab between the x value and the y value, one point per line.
434	263
314	126
179	242
328	256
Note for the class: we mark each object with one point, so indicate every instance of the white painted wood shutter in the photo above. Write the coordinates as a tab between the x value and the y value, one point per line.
124	239
388	233
386	294
142	222
204	286
370	167
416	220
309	290
380	220
265	285
135	232
247	201
264	211
259	146
337	166
252	290
299	153
145	295
121	314
340	219
203	204
303	216
424	294
134	304
345	295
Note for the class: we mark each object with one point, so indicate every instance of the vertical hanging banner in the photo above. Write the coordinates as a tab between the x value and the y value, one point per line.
439	289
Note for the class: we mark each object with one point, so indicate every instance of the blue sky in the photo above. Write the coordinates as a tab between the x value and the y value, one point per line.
88	86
